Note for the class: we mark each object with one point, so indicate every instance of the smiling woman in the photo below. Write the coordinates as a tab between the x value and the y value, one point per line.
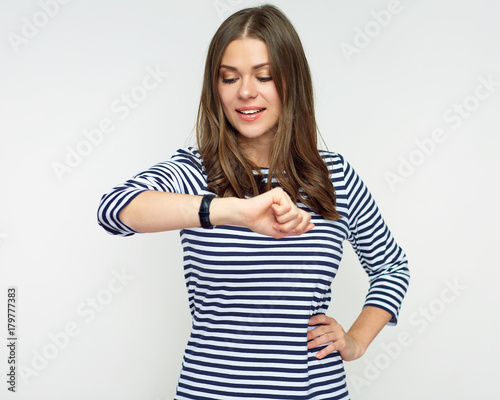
287	131
263	215
249	97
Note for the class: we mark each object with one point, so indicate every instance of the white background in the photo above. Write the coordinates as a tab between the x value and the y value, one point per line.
68	73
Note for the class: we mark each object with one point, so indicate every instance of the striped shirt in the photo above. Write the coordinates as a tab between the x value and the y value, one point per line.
251	296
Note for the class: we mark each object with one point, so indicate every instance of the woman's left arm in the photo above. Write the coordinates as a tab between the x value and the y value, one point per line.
386	266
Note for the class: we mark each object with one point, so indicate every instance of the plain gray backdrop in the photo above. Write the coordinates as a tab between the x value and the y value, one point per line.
92	92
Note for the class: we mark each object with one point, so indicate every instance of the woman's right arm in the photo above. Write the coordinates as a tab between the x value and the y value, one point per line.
165	197
271	213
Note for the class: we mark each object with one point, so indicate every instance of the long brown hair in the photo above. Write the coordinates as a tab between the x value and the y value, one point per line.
294	159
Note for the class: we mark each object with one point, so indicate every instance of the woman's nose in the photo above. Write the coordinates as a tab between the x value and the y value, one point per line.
247	89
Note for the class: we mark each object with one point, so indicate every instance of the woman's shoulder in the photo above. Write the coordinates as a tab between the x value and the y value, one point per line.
187	156
338	167
186	159
332	158
187	153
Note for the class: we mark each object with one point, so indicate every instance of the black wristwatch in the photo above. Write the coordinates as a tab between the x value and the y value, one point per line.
204	212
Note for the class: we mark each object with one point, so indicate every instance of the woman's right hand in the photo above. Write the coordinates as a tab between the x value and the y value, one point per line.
273	213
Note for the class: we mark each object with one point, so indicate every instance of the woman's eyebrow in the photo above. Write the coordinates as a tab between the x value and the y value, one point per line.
236	69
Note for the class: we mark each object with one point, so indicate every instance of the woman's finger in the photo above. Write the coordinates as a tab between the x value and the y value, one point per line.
280	209
293	232
327	350
318	331
322	319
289	221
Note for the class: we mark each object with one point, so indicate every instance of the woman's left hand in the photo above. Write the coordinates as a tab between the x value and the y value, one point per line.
331	331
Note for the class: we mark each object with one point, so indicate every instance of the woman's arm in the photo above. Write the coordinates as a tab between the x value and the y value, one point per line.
166	197
387	268
271	213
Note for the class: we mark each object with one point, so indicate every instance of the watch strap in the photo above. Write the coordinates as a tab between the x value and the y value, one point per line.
204	212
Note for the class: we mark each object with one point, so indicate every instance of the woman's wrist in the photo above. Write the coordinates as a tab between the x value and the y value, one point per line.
358	348
225	211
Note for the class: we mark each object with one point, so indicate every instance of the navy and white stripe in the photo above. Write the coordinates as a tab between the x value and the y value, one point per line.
251	296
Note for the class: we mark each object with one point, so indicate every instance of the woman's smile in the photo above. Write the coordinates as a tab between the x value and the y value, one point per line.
250	113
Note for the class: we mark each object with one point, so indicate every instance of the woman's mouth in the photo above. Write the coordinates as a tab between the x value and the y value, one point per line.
250	113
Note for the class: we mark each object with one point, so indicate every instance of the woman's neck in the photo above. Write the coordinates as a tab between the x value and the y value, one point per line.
257	151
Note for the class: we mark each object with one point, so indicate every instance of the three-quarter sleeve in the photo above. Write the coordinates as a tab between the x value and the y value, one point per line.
381	257
181	174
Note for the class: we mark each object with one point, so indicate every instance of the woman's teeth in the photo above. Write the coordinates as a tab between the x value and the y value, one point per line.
249	112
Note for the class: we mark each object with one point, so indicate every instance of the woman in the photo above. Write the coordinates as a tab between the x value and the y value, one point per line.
259	258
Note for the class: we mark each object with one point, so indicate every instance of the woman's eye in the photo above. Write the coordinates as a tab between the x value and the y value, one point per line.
233	80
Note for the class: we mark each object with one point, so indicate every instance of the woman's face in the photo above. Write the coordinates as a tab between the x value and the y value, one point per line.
249	97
